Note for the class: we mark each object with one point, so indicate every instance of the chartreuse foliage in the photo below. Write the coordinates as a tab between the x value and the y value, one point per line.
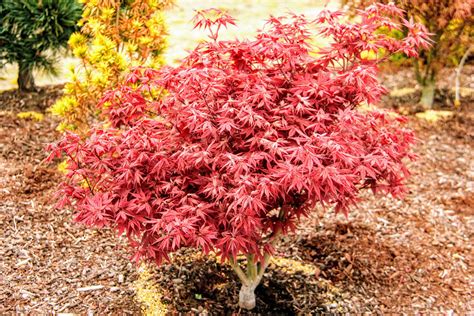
115	35
450	24
33	32
243	139
31	115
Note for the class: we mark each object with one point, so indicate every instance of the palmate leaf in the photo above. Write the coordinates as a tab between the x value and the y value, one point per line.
252	135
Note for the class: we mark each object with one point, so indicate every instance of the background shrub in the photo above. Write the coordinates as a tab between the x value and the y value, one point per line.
451	26
115	35
32	33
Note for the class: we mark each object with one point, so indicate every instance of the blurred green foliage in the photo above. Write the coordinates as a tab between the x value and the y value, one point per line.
32	32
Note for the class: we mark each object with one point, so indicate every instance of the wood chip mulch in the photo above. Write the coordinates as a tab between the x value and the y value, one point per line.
389	256
50	264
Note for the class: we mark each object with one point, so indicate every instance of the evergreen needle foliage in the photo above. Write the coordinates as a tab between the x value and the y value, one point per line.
32	32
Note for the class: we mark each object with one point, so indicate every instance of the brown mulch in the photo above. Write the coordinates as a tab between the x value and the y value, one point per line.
410	256
46	257
13	100
389	256
399	79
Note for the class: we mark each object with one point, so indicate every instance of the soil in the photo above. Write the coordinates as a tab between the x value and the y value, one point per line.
389	256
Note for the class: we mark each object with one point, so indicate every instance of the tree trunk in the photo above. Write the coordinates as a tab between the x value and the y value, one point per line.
26	81
427	94
254	273
250	279
247	298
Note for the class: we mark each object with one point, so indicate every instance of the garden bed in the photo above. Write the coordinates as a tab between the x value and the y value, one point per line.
406	256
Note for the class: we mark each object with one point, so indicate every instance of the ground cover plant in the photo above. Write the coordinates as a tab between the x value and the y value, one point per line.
231	148
114	36
33	32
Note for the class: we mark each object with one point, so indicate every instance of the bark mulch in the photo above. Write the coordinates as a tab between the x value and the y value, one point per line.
410	256
48	262
404	89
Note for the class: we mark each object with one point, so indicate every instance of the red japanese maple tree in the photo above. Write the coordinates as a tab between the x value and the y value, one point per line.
228	150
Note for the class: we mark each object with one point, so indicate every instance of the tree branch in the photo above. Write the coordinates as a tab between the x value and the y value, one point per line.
241	274
457	101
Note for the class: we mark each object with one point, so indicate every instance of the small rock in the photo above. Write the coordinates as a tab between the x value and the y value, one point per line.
331	306
114	289
177	281
120	278
90	288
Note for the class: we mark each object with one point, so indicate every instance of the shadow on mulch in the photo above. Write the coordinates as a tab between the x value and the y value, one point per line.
345	260
354	270
463	205
193	283
342	254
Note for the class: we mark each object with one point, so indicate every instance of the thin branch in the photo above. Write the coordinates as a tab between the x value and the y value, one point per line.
240	273
457	101
251	267
261	269
267	257
83	176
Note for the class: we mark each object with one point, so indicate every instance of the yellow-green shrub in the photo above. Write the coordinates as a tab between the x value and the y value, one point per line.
115	35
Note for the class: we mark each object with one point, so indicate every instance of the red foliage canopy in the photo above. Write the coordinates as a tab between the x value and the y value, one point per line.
251	136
